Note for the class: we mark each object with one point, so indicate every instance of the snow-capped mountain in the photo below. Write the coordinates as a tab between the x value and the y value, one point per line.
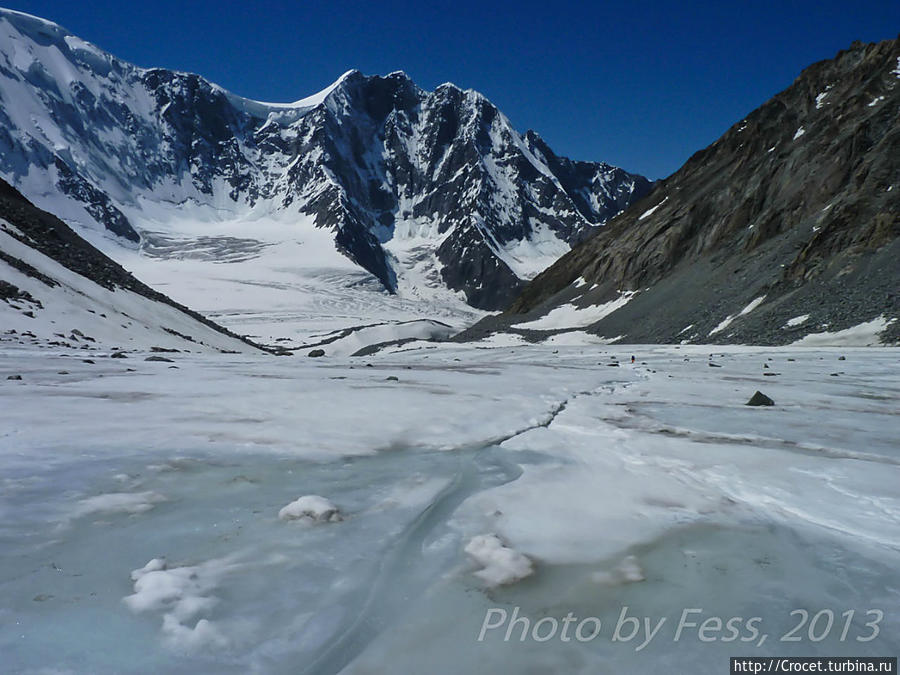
423	189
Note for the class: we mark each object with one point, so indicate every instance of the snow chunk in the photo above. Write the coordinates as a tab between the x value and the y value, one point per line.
649	212
796	321
875	101
154	565
501	564
311	508
180	593
862	335
118	502
799	133
156	587
184	638
628	571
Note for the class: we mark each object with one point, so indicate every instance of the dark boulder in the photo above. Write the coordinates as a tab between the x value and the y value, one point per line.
760	398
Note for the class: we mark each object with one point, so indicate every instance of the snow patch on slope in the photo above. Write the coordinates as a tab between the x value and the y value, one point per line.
530	256
649	212
866	334
796	321
570	316
727	321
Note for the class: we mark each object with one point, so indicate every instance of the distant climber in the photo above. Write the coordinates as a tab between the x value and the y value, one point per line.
632	358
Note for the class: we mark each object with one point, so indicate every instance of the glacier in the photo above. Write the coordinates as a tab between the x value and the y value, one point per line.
141	528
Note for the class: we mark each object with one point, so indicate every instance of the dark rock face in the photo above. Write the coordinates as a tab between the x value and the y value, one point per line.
596	189
11	293
798	204
316	353
373	159
95	202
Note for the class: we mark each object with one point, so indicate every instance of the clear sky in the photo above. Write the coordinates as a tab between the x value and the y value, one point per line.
641	85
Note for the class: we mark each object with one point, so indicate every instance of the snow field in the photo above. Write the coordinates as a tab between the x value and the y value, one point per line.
650	486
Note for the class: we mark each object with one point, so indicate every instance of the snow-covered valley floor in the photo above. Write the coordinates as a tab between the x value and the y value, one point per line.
140	529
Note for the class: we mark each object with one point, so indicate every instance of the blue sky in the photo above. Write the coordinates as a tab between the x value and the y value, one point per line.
641	85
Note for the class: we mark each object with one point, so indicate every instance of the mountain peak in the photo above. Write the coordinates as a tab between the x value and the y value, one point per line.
33	25
315	99
374	160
